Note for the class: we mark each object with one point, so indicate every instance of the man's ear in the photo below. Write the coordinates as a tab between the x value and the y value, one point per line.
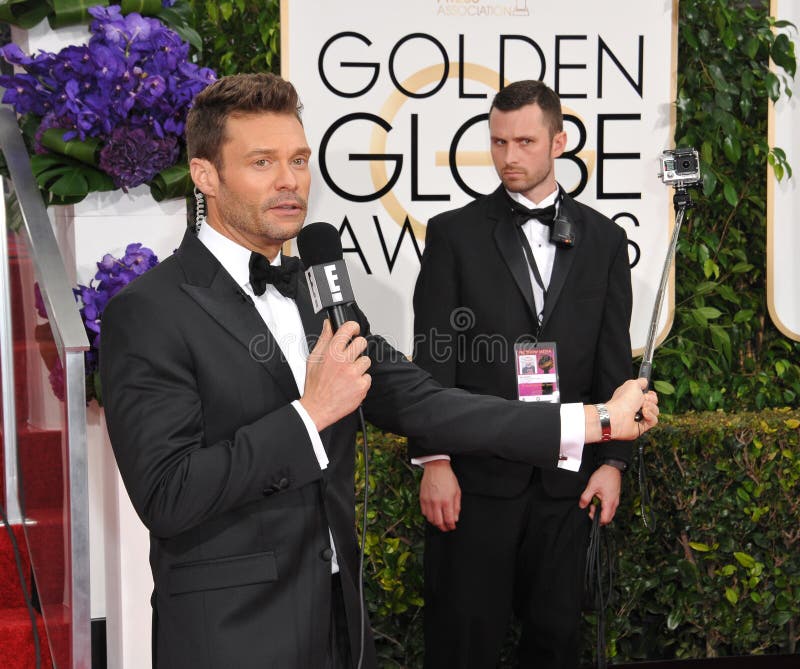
559	144
204	175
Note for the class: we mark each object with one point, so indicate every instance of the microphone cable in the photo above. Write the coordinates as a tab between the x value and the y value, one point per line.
599	561
361	605
645	503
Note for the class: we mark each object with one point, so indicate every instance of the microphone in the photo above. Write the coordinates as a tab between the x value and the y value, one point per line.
328	281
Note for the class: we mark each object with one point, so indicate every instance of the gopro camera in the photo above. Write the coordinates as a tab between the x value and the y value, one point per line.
680	167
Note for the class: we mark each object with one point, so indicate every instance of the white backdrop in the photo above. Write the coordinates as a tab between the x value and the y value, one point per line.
783	203
394	96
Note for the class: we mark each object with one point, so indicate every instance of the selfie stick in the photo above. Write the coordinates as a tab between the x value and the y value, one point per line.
682	201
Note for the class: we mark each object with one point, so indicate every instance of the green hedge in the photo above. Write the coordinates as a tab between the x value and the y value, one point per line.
719	576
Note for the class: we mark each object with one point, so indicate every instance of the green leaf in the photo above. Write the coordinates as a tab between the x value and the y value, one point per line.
708	312
709	182
702	548
751	47
71	12
731	595
782	53
773	86
143	7
732	149
710	268
723	101
780	618
741	267
177	20
173	182
730	194
69	184
24	13
722	341
664	387
674	619
85	151
745	560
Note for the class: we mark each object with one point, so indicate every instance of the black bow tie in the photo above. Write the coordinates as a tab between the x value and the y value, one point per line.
545	215
283	276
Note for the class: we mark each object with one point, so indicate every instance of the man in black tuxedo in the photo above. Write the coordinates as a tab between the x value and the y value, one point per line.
507	536
236	445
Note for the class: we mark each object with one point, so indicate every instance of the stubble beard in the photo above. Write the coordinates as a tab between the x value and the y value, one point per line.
252	221
528	183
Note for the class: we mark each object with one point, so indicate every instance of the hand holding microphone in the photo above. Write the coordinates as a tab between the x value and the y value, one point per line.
336	375
336	372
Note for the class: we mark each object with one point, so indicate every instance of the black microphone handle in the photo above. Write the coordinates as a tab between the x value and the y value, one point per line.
337	315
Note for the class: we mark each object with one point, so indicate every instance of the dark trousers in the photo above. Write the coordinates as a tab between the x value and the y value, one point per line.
524	555
339	655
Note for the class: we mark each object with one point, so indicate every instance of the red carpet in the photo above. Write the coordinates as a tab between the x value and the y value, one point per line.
40	465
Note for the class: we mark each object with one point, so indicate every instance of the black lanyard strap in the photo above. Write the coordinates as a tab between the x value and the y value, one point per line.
526	247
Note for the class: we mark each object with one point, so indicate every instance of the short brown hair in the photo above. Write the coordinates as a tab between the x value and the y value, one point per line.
235	95
529	92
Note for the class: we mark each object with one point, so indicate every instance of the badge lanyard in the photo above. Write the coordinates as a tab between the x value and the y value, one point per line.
526	246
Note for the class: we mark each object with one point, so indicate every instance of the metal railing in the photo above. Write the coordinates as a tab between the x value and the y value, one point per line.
71	342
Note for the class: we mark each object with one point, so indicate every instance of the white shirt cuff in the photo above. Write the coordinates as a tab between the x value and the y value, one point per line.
313	435
422	461
573	437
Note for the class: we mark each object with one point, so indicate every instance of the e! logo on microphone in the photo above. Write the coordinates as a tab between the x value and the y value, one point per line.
329	285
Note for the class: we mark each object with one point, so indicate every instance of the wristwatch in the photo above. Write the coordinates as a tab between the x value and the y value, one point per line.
605	421
617	464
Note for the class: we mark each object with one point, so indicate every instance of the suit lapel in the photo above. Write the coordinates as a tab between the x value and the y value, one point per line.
563	260
217	293
507	239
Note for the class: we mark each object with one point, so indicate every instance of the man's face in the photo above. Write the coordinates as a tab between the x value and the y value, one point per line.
261	193
523	152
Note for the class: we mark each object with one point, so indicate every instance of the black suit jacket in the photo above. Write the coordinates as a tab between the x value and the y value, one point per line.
474	288
221	470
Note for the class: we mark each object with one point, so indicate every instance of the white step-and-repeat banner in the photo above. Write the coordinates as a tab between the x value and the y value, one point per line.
396	96
783	202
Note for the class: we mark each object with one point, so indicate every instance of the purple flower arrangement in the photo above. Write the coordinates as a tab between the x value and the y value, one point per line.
113	274
124	96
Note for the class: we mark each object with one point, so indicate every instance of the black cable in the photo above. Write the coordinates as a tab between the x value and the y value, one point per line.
25	594
599	549
362	613
645	504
